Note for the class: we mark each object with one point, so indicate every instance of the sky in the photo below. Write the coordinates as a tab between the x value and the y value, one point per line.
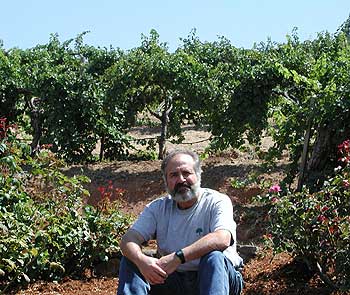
120	24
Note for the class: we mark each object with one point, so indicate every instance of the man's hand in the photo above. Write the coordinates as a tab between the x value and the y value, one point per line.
169	263
131	248
152	271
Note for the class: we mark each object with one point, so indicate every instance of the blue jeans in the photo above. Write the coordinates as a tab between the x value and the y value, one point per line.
216	276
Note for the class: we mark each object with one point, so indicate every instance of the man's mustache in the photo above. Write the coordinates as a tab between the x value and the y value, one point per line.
180	186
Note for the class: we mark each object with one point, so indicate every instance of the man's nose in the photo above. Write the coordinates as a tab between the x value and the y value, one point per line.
181	178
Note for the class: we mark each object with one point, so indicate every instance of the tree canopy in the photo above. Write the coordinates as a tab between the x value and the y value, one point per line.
76	95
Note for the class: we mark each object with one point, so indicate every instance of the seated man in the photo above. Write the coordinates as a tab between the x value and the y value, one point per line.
195	233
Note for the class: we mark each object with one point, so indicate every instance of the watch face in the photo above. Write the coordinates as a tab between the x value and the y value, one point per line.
181	256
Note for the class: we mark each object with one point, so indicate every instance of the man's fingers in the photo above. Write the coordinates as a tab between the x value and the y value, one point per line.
156	279
163	273
154	273
160	276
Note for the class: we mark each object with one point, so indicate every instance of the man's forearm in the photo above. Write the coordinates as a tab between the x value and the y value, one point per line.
132	251
131	246
218	240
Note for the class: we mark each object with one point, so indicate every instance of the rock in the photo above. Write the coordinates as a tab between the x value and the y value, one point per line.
247	252
109	268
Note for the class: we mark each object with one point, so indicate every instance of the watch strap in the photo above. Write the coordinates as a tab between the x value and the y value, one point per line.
180	255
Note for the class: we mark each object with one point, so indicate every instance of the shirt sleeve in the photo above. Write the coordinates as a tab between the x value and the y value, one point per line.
222	215
146	223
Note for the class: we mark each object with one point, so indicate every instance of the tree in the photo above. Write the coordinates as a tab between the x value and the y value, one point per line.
345	28
68	96
234	104
60	86
321	99
150	78
11	88
298	84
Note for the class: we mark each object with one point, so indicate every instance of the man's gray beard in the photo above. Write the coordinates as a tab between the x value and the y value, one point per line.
188	195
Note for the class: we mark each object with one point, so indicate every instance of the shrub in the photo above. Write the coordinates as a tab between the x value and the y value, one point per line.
316	227
46	229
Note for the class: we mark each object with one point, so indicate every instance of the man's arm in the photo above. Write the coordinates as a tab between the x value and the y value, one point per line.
218	240
131	248
131	245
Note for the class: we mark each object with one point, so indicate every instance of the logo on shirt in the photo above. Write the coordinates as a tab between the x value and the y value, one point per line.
199	231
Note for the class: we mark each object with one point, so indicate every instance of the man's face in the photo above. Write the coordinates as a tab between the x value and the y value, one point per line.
182	181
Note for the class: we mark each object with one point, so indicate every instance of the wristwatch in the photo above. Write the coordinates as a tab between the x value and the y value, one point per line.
180	255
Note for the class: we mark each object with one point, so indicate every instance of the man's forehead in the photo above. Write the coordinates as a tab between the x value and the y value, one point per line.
180	160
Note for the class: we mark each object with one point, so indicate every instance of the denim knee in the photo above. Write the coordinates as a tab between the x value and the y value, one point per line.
212	258
127	265
218	275
131	281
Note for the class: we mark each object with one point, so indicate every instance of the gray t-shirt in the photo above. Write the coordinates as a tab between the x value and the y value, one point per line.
175	229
